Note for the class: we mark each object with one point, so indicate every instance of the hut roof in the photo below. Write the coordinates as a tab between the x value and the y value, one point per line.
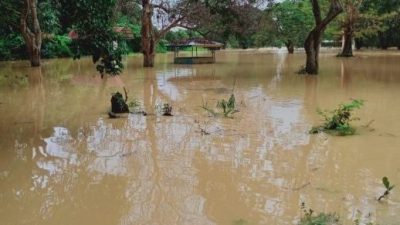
197	42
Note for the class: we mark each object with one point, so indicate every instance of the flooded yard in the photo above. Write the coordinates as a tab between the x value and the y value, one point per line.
63	161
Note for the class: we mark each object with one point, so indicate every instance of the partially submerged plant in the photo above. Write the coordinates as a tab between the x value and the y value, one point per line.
360	221
338	120
134	105
321	219
228	107
240	222
118	103
388	188
166	109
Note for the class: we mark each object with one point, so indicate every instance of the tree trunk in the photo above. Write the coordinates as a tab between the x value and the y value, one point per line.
313	41
149	54
290	46
312	46
148	40
33	39
347	50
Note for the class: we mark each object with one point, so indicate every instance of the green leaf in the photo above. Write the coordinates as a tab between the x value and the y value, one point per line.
386	182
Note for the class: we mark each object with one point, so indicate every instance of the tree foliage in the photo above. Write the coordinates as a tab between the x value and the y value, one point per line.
94	25
293	19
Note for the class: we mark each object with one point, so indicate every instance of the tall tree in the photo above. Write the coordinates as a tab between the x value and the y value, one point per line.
293	20
30	30
313	41
94	27
224	20
348	23
168	14
378	24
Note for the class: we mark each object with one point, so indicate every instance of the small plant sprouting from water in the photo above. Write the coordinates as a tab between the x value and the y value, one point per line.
166	109
240	222
338	120
359	219
118	103
321	219
134	105
227	107
388	187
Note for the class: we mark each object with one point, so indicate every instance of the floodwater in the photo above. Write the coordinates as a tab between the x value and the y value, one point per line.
63	161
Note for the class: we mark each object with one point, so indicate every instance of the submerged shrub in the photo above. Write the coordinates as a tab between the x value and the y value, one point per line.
338	120
321	219
118	103
388	187
227	107
166	109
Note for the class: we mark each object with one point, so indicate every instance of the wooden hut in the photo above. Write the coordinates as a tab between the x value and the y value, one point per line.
193	45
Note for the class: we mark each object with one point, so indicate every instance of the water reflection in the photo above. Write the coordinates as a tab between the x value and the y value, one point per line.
69	162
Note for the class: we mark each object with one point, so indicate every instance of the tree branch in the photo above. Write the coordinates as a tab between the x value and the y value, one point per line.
316	11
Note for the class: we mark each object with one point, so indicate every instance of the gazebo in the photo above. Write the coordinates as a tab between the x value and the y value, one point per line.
193	45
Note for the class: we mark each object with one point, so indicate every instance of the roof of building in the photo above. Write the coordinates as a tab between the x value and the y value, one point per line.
197	42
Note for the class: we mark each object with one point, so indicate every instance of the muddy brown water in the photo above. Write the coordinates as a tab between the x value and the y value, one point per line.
62	161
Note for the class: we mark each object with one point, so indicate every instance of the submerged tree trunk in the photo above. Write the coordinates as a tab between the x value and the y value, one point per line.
313	41
148	40
347	50
312	46
352	15
33	39
290	46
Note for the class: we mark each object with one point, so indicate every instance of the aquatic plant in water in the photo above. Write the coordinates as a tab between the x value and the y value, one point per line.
321	219
118	103
240	222
166	109
388	187
338	121
227	107
134	105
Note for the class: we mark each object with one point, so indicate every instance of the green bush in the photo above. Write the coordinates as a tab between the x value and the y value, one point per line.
338	121
57	46
12	47
161	46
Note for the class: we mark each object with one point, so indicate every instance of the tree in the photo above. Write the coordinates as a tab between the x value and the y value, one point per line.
11	9
293	19
30	30
351	16
313	41
94	26
389	11
378	24
229	20
168	15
